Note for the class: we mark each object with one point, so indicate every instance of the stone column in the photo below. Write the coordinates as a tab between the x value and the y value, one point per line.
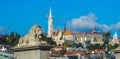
33	52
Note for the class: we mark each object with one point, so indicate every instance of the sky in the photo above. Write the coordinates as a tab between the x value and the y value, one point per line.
77	15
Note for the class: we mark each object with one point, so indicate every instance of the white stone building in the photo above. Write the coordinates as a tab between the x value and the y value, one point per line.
115	39
63	36
59	36
94	36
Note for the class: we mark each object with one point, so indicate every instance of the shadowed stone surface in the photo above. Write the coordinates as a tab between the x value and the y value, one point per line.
34	52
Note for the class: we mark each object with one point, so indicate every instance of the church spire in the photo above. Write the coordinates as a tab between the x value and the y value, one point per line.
50	24
50	13
116	34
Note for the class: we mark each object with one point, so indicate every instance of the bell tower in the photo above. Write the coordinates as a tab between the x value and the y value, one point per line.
50	24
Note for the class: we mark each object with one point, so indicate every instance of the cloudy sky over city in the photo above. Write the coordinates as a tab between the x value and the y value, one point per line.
77	15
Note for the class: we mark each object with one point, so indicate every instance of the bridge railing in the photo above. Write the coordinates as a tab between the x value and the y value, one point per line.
6	55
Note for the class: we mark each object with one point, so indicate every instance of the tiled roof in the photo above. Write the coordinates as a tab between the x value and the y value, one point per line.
56	33
67	32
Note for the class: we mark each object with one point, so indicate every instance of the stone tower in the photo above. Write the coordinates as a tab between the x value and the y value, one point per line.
50	24
115	38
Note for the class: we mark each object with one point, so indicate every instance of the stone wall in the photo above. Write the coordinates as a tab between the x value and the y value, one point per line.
32	54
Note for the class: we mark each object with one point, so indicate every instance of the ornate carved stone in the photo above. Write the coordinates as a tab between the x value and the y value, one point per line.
33	38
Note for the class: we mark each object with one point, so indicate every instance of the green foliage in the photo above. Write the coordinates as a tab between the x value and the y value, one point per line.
77	45
87	44
97	46
115	45
49	40
13	38
80	45
66	44
91	47
110	46
2	41
72	45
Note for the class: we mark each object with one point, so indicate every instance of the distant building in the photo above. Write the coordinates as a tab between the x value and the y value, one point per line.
63	36
59	36
115	39
68	35
94	36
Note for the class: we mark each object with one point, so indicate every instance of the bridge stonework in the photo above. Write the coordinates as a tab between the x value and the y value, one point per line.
33	52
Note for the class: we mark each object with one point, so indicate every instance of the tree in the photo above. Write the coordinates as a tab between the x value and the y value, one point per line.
75	45
115	45
3	41
87	43
13	38
91	47
49	40
97	46
66	44
110	46
80	45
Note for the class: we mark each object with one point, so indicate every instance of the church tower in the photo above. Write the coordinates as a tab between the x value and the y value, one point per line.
50	24
115	37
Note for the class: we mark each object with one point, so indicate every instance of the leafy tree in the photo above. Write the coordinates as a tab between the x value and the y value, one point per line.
97	46
13	38
115	45
3	41
80	45
66	44
87	43
77	45
49	40
110	46
10	38
91	47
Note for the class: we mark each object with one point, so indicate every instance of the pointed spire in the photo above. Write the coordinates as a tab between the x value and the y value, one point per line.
65	28
50	14
115	34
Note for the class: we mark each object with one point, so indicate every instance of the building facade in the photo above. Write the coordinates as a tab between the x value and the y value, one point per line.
115	39
94	37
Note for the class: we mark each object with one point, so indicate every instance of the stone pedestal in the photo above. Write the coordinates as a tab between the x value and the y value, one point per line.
33	52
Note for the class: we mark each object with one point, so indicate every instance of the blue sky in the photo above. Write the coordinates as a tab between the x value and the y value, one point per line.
20	15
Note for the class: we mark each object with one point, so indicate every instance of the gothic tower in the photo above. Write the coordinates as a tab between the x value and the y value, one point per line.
50	24
115	37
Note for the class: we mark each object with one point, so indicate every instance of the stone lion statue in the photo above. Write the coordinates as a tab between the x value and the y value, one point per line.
32	38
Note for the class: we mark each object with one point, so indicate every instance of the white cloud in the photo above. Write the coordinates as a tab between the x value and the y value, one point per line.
88	22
